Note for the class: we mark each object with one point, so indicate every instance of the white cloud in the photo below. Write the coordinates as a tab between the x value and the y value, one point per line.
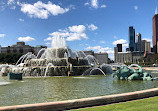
49	38
42	10
94	3
102	42
147	39
78	28
100	49
26	39
135	7
21	20
10	2
86	4
121	41
2	35
103	6
72	33
92	27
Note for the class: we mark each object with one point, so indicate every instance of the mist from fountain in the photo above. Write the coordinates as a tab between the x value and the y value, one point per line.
58	42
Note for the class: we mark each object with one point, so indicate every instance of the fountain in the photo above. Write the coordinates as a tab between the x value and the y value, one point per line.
59	60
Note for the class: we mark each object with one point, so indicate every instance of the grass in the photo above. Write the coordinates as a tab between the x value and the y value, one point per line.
149	104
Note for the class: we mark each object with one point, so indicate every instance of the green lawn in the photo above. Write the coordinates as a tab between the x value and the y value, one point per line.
149	104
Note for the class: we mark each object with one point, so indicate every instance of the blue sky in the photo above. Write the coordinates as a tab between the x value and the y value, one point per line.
86	24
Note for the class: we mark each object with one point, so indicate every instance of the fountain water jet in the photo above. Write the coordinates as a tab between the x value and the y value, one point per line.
99	70
49	64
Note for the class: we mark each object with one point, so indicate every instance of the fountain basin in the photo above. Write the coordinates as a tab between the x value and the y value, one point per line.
37	90
85	102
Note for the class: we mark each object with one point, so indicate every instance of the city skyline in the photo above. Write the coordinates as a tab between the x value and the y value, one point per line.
86	25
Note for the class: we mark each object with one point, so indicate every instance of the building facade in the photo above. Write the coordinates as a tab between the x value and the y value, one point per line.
127	57
155	32
138	42
20	47
145	46
131	38
89	52
101	57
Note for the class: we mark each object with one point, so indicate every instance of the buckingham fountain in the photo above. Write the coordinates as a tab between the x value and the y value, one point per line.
86	77
59	60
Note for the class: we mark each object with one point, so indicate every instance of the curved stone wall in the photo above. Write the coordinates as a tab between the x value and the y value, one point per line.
78	103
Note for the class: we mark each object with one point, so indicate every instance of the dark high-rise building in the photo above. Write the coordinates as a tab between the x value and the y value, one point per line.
138	42
155	32
119	46
131	38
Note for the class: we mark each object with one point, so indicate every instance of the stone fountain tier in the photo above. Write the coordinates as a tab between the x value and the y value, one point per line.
58	67
52	70
56	62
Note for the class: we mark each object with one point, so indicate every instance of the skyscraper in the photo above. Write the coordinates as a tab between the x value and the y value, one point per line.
131	38
119	46
138	42
145	46
155	31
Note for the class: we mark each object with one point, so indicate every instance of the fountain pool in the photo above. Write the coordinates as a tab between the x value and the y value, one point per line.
37	90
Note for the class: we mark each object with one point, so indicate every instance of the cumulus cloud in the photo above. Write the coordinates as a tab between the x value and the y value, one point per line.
92	27
94	4
135	7
99	49
26	39
10	2
42	10
103	6
72	33
86	3
2	35
47	39
147	39
123	42
21	20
